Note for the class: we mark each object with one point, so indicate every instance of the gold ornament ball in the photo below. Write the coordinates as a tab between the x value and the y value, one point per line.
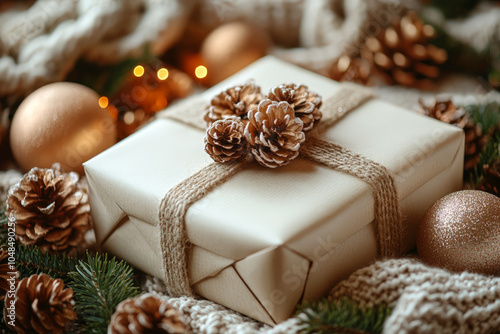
461	232
231	47
60	122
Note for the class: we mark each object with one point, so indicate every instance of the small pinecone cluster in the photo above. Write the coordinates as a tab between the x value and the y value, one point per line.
235	101
271	128
491	179
42	305
446	111
50	209
399	54
146	314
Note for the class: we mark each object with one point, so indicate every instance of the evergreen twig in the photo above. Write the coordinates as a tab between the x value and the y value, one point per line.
488	116
99	285
341	316
31	260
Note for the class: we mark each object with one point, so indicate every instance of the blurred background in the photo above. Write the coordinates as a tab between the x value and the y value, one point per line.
140	56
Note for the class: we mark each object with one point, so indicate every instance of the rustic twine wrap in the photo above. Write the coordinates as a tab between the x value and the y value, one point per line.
174	206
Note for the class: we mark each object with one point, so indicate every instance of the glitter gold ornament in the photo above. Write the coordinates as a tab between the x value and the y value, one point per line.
461	232
231	47
60	122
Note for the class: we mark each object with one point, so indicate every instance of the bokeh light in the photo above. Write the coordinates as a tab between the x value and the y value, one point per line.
201	72
162	74
139	71
103	102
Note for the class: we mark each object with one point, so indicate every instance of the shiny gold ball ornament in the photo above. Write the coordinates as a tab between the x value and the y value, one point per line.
60	122
231	47
461	232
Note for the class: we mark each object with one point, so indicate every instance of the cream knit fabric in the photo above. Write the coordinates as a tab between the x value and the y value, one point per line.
41	45
426	299
204	316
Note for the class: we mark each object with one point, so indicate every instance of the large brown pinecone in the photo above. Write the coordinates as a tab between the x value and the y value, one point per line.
446	111
402	53
42	305
351	69
146	314
225	142
50	209
8	274
491	179
235	101
274	133
305	103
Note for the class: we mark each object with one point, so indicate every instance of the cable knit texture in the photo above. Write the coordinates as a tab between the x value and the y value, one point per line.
41	45
204	316
426	299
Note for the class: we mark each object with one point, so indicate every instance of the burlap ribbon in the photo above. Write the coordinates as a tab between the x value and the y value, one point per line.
173	208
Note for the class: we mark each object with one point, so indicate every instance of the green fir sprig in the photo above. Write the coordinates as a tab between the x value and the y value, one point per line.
341	316
99	285
31	260
488	116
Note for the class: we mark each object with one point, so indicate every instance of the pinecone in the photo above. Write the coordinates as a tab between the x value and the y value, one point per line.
6	274
225	142
236	101
42	305
491	179
351	69
50	209
274	133
446	111
145	314
401	53
305	103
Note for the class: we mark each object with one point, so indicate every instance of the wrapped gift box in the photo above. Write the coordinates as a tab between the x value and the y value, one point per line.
269	238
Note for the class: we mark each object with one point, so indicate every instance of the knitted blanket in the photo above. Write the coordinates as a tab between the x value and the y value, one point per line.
424	300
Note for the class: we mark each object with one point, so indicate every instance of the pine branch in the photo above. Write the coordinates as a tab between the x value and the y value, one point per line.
31	260
489	156
488	116
99	285
109	78
342	316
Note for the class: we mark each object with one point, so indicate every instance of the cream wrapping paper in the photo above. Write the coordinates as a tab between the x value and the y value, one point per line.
268	238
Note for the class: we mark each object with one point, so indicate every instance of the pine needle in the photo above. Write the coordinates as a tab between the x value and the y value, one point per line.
99	285
31	260
488	116
341	316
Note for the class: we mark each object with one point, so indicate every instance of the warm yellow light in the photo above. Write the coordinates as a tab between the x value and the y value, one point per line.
162	73
103	102
201	72
139	71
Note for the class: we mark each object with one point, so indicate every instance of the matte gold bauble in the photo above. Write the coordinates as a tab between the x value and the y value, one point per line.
461	232
231	47
60	122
